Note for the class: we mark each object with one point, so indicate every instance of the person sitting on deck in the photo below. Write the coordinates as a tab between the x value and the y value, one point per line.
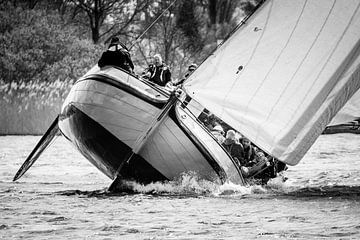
218	133
158	72
234	148
256	166
249	151
263	168
117	55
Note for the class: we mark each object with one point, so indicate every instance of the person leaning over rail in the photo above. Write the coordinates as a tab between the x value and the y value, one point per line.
264	167
117	55
256	166
158	72
234	148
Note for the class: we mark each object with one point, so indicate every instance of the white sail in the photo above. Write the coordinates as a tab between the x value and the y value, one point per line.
300	65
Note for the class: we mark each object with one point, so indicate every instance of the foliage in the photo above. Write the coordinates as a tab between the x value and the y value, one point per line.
248	6
48	40
189	24
33	42
47	44
107	18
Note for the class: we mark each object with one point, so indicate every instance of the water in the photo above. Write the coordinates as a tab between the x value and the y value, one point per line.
64	197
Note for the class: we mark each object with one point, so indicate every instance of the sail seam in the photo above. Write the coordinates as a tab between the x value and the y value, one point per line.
323	67
274	64
251	57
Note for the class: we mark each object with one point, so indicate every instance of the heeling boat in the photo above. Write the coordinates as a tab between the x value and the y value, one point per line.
132	129
128	127
278	80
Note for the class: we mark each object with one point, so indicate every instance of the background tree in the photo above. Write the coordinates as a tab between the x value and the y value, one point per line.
33	42
66	36
188	21
109	17
164	37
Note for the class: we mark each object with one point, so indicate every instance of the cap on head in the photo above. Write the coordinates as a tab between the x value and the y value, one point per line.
114	40
219	129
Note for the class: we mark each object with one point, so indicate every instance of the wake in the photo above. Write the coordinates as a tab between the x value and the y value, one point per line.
190	185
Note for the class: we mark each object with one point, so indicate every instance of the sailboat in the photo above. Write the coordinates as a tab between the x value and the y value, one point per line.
347	120
278	79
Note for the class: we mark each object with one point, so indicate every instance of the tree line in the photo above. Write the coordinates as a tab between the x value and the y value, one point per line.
49	40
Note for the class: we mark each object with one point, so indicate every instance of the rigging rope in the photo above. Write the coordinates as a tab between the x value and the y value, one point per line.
147	29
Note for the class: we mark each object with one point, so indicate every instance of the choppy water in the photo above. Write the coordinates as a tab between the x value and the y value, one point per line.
63	197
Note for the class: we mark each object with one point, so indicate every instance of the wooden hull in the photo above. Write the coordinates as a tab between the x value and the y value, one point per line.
117	122
102	117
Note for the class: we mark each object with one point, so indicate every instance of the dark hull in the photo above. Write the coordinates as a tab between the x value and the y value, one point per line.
105	151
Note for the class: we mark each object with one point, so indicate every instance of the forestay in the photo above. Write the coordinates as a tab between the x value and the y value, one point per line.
300	65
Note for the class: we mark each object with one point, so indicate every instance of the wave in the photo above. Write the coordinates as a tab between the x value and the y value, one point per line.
190	185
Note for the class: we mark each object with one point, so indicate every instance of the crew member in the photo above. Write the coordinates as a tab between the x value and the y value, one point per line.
158	72
117	55
234	148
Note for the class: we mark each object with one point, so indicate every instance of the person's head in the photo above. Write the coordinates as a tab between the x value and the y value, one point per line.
230	134
191	68
260	154
245	142
218	129
157	59
114	41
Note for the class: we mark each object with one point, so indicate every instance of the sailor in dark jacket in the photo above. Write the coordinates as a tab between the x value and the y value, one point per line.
234	148
158	72
117	55
249	151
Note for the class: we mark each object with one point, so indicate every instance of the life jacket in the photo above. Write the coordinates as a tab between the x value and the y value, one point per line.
157	74
235	149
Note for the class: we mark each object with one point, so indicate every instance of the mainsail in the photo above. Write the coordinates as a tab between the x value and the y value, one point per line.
283	75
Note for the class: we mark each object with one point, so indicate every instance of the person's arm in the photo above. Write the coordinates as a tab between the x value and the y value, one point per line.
148	72
130	61
167	75
131	64
241	154
101	61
